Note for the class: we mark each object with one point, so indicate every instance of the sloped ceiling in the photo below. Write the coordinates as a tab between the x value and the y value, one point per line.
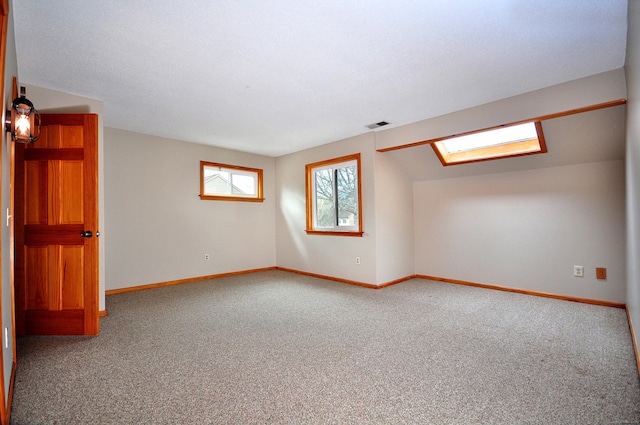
274	77
593	136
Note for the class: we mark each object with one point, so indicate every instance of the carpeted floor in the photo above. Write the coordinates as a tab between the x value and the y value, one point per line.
280	348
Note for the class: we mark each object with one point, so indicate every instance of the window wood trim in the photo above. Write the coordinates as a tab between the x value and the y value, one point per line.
259	173
309	196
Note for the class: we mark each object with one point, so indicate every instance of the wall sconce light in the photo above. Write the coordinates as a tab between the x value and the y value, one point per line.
22	120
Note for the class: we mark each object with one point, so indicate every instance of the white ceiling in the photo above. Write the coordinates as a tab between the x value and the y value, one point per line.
274	77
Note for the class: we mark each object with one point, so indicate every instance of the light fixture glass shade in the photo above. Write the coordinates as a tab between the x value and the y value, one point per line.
23	120
23	126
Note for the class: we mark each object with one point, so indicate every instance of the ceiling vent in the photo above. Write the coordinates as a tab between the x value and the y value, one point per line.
376	125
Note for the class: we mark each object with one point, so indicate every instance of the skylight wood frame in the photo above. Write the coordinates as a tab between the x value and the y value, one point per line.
530	146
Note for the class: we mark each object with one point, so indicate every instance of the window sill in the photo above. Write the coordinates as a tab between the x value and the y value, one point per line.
333	233
230	198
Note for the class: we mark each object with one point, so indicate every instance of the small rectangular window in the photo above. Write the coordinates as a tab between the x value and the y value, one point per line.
333	197
503	142
230	182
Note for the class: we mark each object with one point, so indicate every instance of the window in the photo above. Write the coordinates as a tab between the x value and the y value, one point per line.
224	182
503	142
333	197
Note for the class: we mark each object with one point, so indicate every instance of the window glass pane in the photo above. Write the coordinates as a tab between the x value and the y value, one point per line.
216	181
325	204
347	179
500	136
243	184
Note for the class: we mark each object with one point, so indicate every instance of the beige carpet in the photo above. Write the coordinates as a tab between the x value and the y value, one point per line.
279	348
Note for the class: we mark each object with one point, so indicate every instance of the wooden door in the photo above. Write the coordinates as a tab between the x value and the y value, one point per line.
56	205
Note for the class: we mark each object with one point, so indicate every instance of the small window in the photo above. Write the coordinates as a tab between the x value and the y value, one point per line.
503	142
333	197
224	182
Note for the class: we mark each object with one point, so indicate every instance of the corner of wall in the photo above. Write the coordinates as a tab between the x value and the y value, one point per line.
632	71
394	220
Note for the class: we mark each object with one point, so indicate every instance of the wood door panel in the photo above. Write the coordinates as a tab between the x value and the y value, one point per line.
71	187
71	270
37	273
44	322
53	193
52	272
56	136
43	142
71	136
53	284
37	179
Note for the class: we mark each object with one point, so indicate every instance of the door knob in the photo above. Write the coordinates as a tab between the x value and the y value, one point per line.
86	234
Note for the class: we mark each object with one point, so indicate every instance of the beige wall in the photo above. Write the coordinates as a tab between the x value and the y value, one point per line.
394	220
386	248
527	229
326	255
157	229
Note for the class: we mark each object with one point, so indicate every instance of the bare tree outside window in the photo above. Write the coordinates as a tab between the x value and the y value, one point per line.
325	199
340	210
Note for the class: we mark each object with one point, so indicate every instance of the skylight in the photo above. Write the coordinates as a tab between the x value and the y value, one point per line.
503	142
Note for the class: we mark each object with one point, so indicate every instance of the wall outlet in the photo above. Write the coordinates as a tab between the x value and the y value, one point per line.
206	257
357	260
578	271
601	273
